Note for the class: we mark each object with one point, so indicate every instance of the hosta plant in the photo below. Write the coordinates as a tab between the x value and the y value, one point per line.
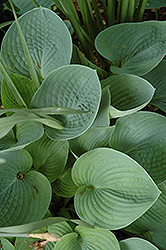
64	134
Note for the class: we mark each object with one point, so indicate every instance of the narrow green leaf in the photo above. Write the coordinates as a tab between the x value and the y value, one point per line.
11	85
27	54
2	25
48	41
29	227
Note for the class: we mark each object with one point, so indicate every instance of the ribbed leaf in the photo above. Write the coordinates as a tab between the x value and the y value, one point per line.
157	77
88	238
49	246
78	58
24	6
114	190
25	87
49	156
22	136
95	137
153	221
64	185
71	86
6	245
25	195
143	137
60	229
154	4
48	40
129	94
133	48
26	228
103	118
136	244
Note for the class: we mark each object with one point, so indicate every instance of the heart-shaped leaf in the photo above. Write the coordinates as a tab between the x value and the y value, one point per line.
143	137
95	137
71	86
157	77
48	40
49	156
136	244
25	195
129	94
64	185
88	238
23	6
133	48
153	221
114	190
22	137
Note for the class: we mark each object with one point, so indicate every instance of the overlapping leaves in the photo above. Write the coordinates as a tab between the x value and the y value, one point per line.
133	48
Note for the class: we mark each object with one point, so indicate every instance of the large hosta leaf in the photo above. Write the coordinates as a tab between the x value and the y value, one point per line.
95	137
21	137
48	40
71	86
154	4
114	190
143	137
157	77
64	185
49	156
25	87
24	6
129	94
25	195
88	238
136	244
153	221
133	48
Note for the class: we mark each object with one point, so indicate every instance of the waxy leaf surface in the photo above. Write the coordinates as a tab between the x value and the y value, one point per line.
133	48
143	137
48	40
114	190
25	195
71	86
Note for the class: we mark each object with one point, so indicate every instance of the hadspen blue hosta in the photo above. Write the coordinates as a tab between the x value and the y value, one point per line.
56	141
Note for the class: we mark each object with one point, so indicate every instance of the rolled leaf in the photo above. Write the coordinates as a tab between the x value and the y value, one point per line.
133	48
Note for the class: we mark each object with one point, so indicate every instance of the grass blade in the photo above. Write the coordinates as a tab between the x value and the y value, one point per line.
11	85
28	57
